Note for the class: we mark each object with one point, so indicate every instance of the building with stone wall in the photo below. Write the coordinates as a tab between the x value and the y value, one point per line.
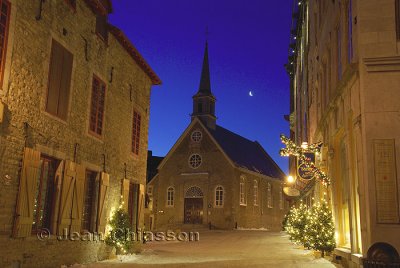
344	65
74	113
215	178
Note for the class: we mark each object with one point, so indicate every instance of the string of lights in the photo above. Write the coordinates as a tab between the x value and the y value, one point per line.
292	149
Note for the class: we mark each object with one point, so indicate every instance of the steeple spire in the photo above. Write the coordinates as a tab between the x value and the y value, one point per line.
204	100
205	84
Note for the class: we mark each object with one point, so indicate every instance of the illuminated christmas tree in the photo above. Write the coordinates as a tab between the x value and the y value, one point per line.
290	216
299	223
119	229
320	231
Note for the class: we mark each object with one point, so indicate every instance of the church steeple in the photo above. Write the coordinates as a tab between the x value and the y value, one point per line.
205	85
204	100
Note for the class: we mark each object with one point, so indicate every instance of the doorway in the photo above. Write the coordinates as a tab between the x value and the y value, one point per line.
193	207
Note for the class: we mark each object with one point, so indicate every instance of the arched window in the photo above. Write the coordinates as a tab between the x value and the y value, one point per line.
219	196
269	195
242	189
170	196
255	193
194	192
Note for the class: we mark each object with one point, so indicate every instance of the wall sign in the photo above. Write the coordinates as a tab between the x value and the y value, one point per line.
387	206
304	172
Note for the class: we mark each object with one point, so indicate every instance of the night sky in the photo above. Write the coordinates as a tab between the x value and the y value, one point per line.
248	46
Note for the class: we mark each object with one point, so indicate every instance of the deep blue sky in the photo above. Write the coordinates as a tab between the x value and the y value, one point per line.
248	45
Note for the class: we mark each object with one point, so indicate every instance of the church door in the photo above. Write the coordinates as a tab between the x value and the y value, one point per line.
193	206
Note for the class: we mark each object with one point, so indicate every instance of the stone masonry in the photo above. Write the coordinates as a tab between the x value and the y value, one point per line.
26	123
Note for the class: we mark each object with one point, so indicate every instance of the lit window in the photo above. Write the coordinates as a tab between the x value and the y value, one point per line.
219	196
195	160
170	196
242	193
44	194
90	201
196	136
255	192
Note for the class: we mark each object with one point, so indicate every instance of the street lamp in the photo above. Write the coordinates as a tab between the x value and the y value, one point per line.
290	179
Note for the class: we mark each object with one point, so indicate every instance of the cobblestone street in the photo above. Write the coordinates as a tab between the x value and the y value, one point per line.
223	249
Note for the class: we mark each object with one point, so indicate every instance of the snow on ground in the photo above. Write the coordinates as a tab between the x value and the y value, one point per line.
245	248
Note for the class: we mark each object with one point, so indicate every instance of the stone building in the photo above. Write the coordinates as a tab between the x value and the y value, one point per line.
75	96
344	66
212	176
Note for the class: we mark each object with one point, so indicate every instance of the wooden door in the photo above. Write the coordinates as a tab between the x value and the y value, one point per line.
193	210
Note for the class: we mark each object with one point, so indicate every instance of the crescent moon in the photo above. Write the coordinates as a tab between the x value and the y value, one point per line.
250	93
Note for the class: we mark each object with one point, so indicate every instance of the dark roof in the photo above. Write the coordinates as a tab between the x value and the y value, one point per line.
152	164
205	84
246	153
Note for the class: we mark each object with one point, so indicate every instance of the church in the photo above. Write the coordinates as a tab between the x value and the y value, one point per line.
214	177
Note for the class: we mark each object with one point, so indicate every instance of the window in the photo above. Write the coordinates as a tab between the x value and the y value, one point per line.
280	198
44	193
90	202
59	81
170	196
136	132
150	189
4	23
255	193
97	107
219	196
269	195
199	107
196	136
101	27
242	193
195	160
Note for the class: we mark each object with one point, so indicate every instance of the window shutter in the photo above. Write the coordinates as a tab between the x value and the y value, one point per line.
59	80
55	71
26	194
78	198
102	212
65	84
57	192
66	197
125	193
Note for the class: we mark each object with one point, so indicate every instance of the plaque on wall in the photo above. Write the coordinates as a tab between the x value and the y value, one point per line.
387	206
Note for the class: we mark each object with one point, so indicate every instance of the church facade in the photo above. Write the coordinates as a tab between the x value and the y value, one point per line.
214	177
